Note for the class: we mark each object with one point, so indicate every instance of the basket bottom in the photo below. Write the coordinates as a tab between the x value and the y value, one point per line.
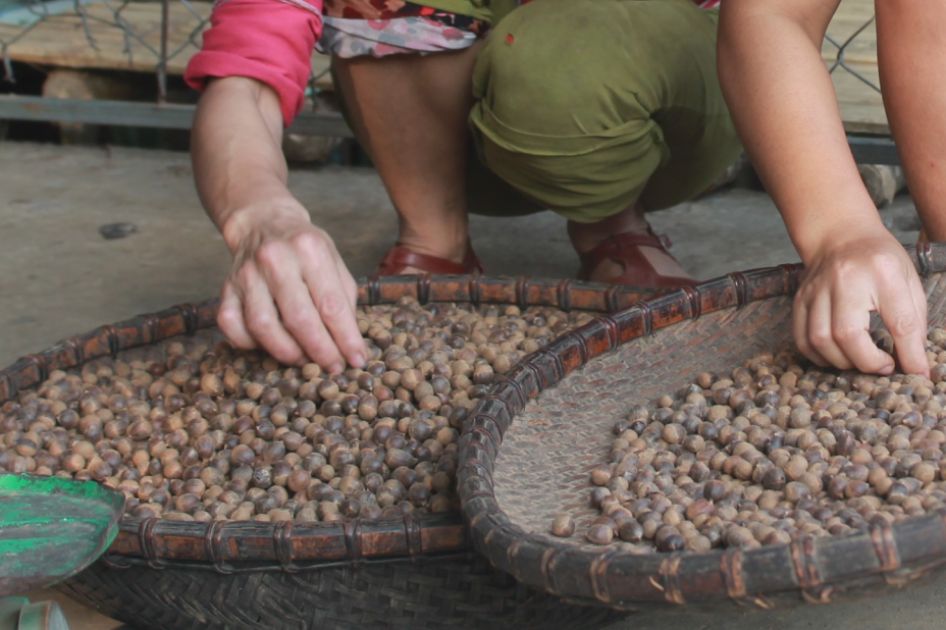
456	592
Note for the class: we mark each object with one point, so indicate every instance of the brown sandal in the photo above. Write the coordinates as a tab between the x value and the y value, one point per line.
400	258
624	250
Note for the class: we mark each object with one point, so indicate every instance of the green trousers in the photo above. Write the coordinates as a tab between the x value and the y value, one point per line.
585	107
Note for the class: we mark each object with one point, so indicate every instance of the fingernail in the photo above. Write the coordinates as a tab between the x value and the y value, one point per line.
887	369
359	360
336	368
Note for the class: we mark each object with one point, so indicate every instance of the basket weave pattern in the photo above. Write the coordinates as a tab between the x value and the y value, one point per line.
527	450
414	572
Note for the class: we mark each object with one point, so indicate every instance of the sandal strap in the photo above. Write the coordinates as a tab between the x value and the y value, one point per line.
614	245
624	249
399	258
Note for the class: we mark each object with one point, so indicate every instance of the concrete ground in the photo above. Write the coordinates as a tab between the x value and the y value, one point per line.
62	277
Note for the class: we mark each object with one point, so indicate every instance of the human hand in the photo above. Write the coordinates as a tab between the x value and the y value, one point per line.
289	291
847	279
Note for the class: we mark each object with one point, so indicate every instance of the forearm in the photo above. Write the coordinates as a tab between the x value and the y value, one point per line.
782	101
239	167
911	54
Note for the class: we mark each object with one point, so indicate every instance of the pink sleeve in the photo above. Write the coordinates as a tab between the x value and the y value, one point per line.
267	40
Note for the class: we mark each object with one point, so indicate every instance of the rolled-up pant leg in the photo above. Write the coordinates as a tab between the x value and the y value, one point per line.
587	106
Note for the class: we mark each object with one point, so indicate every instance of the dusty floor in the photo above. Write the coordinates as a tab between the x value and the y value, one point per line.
61	277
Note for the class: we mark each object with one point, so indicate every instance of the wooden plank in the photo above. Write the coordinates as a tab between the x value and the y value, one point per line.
849	18
62	41
862	107
126	39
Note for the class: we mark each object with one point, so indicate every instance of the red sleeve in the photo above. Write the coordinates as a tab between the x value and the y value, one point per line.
267	40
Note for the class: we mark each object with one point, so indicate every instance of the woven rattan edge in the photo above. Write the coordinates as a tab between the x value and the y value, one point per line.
186	319
813	568
228	547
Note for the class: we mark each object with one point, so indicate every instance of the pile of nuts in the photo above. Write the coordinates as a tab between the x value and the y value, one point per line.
216	434
772	452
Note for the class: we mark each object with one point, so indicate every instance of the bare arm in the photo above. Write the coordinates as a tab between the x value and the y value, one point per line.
912	53
782	100
783	103
237	154
289	290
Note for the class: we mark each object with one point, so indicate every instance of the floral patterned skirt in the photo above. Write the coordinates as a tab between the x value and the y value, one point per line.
377	28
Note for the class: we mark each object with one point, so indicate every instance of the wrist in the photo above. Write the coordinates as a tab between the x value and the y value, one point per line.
236	225
820	236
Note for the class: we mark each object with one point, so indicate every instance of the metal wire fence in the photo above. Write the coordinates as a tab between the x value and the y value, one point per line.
155	38
158	37
841	62
101	34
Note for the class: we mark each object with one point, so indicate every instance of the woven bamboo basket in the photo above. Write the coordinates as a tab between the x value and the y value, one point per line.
417	572
527	450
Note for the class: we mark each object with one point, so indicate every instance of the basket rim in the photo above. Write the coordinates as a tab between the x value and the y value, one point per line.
229	546
811	567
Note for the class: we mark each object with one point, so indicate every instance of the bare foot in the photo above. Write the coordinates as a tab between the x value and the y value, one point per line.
413	271
585	237
663	264
441	239
401	259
